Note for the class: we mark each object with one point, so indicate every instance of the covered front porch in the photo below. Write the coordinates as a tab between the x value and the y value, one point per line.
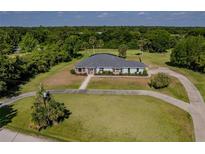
114	71
85	70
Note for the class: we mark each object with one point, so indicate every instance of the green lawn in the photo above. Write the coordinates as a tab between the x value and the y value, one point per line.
111	118
152	59
58	77
175	88
198	79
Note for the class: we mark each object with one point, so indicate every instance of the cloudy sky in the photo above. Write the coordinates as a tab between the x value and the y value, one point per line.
102	18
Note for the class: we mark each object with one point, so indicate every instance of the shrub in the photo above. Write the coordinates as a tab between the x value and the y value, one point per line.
105	73
122	50
144	72
161	80
140	73
72	71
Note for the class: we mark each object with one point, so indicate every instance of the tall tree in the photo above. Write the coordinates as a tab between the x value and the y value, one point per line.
72	45
46	111
28	43
190	53
159	40
85	46
92	42
100	43
5	43
122	50
9	73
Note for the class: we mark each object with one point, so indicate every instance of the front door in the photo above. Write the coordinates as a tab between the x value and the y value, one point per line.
91	71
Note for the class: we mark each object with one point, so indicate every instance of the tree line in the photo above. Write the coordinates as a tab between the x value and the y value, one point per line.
153	39
15	71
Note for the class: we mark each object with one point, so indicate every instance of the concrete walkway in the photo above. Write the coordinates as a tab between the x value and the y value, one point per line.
196	108
10	136
85	82
181	104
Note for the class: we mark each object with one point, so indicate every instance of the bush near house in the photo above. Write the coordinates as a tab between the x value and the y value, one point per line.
72	71
161	80
144	73
105	73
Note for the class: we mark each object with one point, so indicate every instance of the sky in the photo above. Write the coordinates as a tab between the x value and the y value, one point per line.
99	18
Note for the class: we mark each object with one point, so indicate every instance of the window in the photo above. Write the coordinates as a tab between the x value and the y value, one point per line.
137	69
79	69
101	69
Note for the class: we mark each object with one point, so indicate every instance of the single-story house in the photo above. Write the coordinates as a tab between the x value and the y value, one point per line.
103	62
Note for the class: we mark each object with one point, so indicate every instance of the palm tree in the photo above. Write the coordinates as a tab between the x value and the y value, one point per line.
92	42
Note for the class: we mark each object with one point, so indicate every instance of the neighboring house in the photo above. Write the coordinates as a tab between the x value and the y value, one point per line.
108	63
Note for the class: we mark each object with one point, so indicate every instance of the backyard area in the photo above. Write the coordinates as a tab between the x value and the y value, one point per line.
110	118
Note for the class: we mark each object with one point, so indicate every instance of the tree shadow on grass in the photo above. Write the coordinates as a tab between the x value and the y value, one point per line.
67	114
78	55
176	66
7	113
169	63
12	90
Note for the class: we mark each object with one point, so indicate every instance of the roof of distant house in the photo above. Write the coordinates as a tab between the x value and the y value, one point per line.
108	60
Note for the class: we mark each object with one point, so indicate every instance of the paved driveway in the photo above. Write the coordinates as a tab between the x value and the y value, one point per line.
197	105
10	136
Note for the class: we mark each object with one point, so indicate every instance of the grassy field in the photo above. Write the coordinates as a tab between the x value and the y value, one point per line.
59	77
110	118
175	88
152	59
156	60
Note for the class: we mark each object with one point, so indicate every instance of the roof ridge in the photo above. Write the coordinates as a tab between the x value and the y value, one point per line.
108	60
105	54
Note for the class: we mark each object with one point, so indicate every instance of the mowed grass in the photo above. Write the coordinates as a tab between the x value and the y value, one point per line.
198	79
58	77
152	59
111	118
175	89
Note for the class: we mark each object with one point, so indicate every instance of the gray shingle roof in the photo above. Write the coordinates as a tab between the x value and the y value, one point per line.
108	60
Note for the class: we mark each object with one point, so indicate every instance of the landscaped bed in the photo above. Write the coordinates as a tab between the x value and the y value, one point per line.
110	118
175	88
